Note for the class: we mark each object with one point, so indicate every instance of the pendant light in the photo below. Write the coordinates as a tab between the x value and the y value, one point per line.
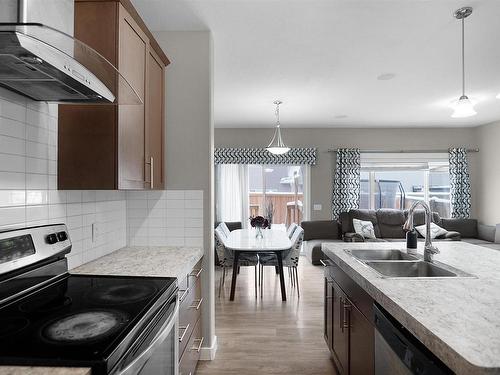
277	146
463	107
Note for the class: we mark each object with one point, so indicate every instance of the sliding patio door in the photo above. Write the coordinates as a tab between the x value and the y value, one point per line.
279	191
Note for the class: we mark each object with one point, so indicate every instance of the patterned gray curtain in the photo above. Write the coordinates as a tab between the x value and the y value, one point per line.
346	183
459	183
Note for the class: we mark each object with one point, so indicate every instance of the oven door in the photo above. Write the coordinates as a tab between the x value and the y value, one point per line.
156	351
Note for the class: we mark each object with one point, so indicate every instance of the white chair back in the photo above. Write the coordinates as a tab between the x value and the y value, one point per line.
291	230
224	228
292	257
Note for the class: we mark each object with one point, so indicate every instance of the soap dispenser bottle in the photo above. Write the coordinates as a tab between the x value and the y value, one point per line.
411	241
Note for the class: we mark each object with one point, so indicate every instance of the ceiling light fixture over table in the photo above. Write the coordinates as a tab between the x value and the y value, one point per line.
463	106
277	146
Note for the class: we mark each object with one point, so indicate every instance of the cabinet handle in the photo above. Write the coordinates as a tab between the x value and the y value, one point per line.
184	294
341	320
185	328
151	172
196	305
198	348
346	308
326	262
196	273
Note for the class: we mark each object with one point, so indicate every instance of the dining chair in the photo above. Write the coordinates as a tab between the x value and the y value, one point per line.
290	260
291	229
226	258
225	228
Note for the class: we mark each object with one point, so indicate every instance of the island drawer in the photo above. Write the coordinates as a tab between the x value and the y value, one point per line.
190	357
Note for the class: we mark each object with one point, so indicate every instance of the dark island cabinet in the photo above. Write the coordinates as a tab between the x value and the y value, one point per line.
348	323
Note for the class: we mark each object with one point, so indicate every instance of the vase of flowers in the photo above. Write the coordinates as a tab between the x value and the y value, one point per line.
259	223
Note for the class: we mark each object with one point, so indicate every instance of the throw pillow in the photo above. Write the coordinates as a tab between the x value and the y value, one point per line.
364	228
436	230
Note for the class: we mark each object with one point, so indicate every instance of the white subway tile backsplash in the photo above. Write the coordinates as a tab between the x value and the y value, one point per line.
11	145
12	215
175	194
28	183
10	198
37	181
13	163
193	203
159	218
12	128
194	194
29	195
12	180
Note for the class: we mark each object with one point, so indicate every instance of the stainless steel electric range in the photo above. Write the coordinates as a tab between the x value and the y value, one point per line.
112	324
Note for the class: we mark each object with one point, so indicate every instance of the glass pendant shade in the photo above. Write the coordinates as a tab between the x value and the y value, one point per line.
463	108
277	146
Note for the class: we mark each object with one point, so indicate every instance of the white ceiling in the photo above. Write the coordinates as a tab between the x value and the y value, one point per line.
322	59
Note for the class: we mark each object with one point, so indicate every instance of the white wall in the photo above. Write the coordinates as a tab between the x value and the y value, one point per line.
28	183
189	142
488	184
324	139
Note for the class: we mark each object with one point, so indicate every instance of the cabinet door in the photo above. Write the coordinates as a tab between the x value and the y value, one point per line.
361	343
328	312
155	121
132	62
340	330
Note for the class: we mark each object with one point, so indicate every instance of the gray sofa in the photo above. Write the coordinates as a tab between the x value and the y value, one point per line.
388	226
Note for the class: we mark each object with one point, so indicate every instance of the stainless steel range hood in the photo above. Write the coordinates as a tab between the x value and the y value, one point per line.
45	63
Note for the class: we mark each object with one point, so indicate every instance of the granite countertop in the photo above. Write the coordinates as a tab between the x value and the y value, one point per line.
458	319
25	370
159	261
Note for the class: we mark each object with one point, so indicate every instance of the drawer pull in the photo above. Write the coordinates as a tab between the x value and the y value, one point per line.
184	294
196	305
185	328
196	273
198	348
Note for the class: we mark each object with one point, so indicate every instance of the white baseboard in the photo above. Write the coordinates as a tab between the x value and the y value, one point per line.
208	353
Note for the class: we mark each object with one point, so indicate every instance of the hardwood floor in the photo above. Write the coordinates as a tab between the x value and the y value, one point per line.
268	336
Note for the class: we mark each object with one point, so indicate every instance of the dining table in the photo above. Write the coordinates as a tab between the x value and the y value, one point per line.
247	241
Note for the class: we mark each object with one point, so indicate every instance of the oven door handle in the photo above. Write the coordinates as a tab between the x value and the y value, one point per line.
134	366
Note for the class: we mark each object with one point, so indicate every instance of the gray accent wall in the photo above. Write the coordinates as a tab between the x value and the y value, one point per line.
488	178
325	138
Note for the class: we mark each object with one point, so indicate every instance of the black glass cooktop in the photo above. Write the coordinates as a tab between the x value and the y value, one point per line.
78	319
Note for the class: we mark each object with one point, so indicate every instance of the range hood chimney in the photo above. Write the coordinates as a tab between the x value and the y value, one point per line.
40	59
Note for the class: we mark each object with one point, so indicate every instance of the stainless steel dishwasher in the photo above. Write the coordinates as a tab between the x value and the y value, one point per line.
398	352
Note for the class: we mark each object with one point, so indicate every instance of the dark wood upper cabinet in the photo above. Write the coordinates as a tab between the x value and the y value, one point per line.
116	146
155	120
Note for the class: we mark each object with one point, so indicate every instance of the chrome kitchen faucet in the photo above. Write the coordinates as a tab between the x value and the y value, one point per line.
429	249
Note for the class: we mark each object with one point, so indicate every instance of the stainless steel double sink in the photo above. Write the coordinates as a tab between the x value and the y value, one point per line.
394	263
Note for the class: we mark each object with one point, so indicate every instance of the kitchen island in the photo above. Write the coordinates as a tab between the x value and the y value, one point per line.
457	319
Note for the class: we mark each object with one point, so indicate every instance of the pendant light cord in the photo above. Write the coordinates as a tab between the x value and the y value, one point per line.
277	115
463	56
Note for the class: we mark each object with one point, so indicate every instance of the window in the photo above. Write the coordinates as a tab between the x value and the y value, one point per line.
389	181
246	190
281	185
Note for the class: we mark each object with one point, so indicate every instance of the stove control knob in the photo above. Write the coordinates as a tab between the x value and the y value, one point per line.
62	236
51	238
